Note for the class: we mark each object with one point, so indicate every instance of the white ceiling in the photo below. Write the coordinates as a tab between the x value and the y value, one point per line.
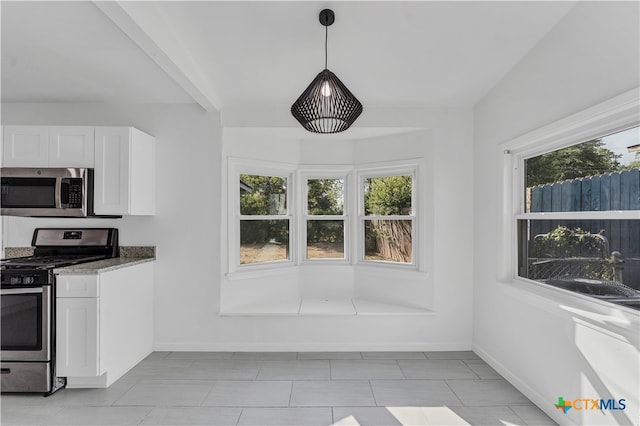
235	53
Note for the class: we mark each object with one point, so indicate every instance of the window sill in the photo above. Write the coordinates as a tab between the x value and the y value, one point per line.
262	271
561	297
386	269
327	307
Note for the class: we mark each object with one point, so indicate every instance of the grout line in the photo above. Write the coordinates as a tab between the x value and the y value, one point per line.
259	370
516	414
241	413
373	395
290	394
404	376
208	393
454	393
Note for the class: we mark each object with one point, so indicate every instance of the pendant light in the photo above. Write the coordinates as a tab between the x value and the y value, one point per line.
326	106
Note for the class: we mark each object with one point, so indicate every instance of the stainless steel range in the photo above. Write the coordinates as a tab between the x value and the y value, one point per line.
27	295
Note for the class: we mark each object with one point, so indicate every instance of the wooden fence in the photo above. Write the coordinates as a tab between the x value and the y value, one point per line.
612	191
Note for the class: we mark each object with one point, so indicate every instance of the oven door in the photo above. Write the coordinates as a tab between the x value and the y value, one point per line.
25	324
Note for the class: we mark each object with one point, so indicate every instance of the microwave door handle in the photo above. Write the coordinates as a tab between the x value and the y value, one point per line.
58	193
34	290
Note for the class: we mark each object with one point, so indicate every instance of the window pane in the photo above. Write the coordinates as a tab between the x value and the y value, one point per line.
601	174
325	239
325	196
600	258
388	240
263	195
264	240
388	195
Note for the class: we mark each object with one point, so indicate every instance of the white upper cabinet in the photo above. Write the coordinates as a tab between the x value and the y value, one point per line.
123	159
71	146
124	172
47	146
25	146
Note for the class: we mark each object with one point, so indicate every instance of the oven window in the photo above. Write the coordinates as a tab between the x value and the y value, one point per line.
21	324
28	192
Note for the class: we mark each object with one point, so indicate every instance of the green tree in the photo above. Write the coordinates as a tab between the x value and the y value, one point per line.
585	159
389	195
388	239
267	195
635	164
325	196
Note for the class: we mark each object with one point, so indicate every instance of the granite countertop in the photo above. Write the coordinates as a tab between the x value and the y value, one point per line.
103	265
129	256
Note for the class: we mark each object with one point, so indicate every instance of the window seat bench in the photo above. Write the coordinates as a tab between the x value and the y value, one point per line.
325	307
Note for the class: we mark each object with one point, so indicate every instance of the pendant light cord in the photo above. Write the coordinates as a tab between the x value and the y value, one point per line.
326	38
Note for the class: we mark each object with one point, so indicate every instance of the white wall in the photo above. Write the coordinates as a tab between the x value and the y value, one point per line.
187	230
548	344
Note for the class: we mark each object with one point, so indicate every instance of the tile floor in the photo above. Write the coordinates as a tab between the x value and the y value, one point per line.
326	388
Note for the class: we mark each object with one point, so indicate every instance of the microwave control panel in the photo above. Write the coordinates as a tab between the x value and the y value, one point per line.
73	196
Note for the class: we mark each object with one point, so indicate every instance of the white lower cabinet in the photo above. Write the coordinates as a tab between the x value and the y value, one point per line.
77	349
104	324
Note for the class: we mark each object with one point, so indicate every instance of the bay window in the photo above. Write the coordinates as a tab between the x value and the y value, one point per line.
280	215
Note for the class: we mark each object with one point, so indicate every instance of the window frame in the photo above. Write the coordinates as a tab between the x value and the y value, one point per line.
282	170
617	114
305	176
410	169
353	213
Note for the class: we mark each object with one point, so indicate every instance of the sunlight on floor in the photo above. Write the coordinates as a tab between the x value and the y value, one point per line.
426	416
347	421
411	416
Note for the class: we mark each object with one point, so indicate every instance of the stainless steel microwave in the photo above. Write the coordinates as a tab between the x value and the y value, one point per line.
47	192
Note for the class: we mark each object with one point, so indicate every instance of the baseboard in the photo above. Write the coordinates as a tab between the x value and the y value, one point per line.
541	402
310	347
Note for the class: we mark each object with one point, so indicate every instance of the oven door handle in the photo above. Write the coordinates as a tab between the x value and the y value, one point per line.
29	290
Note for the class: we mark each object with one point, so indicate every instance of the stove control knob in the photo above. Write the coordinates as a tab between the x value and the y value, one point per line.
16	280
28	280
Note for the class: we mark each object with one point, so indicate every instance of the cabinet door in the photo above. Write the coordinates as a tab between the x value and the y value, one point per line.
112	170
71	146
142	185
25	146
77	337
